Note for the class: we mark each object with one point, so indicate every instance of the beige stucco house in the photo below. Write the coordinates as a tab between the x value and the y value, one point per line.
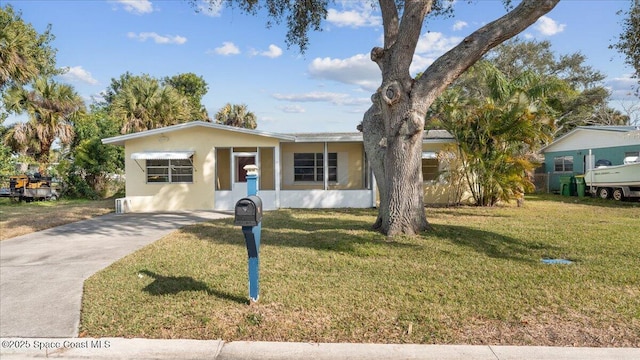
199	166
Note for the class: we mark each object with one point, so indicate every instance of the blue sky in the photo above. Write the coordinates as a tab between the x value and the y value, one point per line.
326	89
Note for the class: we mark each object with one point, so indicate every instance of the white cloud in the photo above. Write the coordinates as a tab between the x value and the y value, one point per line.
353	18
292	109
78	74
431	46
319	96
621	87
273	52
436	43
137	6
459	25
547	26
420	63
158	39
211	8
331	97
356	70
227	48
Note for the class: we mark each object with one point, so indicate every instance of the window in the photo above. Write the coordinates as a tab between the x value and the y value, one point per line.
170	171
430	166
563	164
310	167
429	169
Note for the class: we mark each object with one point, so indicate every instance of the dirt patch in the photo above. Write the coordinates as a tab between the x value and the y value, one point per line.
550	330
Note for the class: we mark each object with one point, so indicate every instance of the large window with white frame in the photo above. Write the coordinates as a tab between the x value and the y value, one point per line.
169	171
309	167
563	164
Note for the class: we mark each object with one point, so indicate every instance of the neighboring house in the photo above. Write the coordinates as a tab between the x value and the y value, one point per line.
199	166
587	146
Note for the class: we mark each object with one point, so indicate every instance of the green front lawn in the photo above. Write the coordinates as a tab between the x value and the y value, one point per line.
476	278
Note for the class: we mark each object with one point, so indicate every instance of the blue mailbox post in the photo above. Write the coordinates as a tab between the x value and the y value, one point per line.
248	214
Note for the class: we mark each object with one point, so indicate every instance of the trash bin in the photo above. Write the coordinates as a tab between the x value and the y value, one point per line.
565	185
580	185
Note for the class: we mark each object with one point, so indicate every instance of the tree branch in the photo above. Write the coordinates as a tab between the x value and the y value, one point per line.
389	22
390	26
449	66
409	33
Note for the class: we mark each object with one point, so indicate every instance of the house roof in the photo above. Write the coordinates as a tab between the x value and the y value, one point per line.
119	140
589	129
429	136
332	137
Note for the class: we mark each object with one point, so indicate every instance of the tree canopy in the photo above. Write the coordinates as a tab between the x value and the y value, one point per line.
25	54
236	115
585	104
143	103
193	87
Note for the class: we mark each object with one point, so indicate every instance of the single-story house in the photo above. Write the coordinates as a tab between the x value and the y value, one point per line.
200	166
587	146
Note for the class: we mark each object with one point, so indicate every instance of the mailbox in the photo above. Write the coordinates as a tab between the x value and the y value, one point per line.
248	211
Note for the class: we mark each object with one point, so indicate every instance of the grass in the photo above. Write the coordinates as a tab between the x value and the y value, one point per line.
476	278
20	218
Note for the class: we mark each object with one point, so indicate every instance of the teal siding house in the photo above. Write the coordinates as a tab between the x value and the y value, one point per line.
586	147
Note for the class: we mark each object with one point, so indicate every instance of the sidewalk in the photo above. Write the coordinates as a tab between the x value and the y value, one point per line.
117	348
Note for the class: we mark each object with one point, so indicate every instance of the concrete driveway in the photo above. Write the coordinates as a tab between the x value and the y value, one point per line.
42	274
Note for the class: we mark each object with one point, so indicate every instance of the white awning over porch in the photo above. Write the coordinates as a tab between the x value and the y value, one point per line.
162	155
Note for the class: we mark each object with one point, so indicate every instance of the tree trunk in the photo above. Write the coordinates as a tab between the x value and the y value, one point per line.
392	132
373	133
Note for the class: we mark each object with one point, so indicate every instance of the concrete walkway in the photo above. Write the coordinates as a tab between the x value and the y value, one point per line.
142	349
42	274
41	281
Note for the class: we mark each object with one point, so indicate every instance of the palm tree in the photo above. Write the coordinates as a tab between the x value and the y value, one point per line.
51	108
499	131
236	115
143	104
24	54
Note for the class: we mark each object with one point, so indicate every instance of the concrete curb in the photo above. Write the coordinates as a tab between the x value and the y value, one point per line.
119	348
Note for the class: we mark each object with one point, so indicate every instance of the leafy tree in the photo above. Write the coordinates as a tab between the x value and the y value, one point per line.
588	101
193	87
236	115
90	166
498	133
51	107
143	103
394	124
629	40
115	87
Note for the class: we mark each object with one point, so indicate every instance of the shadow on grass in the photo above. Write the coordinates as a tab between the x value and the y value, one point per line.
342	230
492	244
171	285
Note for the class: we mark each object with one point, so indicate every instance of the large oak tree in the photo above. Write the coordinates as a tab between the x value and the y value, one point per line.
394	124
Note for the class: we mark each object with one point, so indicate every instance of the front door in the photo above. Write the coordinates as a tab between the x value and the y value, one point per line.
240	160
